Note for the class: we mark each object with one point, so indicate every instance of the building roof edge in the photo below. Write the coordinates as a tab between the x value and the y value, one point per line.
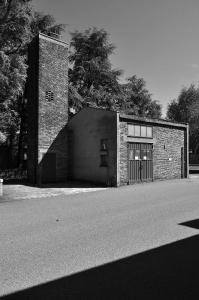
52	39
153	121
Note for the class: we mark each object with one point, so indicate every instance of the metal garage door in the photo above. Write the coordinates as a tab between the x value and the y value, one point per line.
140	162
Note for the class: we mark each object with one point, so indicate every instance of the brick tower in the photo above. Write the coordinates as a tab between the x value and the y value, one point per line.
47	95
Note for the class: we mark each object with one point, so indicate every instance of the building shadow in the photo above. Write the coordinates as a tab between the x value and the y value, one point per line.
68	184
170	272
74	184
192	224
55	167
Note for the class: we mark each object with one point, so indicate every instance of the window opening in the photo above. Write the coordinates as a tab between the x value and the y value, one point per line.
143	131
149	132
140	131
104	144
49	96
137	130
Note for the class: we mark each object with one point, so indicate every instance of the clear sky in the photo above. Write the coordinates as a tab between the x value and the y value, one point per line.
155	39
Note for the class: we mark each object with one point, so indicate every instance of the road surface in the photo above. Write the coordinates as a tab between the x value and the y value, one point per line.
46	239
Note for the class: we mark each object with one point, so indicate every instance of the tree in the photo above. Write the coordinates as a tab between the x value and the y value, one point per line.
180	110
45	24
101	98
94	79
186	109
138	101
19	23
14	27
91	72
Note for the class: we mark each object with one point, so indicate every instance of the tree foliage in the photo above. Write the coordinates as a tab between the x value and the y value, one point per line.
92	80
14	33
138	100
180	110
91	72
19	23
92	76
45	24
186	109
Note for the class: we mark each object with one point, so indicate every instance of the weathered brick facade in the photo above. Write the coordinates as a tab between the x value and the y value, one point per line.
47	93
169	149
123	151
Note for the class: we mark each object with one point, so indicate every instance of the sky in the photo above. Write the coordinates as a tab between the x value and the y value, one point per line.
157	40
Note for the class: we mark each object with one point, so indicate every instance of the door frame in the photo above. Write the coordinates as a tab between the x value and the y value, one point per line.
130	181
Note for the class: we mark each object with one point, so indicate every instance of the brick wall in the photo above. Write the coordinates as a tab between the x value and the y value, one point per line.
53	115
167	144
53	76
123	153
167	152
47	133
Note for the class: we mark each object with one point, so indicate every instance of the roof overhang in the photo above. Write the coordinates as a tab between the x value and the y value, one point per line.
160	122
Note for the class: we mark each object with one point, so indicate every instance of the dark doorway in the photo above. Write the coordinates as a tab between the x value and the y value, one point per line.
49	168
140	162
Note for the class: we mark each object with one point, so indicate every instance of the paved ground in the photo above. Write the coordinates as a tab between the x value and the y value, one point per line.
45	239
21	191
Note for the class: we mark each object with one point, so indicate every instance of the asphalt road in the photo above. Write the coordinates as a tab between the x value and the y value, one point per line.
131	240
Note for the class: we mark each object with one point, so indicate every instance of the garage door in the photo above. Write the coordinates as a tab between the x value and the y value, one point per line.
140	162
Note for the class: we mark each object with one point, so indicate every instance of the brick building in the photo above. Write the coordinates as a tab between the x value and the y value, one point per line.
116	149
96	145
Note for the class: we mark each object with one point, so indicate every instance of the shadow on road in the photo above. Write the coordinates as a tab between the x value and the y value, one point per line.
169	272
192	224
71	184
68	184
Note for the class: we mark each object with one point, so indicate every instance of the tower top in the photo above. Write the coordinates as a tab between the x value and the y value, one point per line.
53	39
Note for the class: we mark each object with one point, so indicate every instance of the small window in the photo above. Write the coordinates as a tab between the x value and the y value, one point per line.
137	130
143	131
131	130
149	132
104	144
103	160
49	96
140	131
